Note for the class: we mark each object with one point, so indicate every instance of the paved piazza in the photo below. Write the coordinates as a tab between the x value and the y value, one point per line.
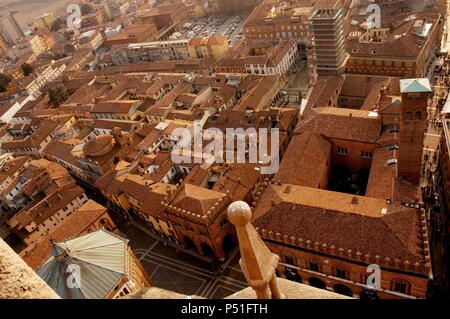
177	270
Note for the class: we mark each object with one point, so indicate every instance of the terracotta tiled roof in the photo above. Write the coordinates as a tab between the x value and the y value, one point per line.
339	123
217	40
11	167
383	182
165	9
306	161
239	180
197	176
196	199
323	90
342	220
73	226
125	126
150	139
46	207
109	183
401	41
62	150
114	107
133	31
179	66
154	196
134	186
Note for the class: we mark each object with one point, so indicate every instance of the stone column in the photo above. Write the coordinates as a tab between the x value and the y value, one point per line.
257	262
18	280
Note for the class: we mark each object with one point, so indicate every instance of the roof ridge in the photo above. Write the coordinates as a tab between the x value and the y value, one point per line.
95	265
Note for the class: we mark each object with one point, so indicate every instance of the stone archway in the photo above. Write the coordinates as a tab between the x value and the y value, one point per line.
343	290
316	282
189	243
207	250
368	294
228	244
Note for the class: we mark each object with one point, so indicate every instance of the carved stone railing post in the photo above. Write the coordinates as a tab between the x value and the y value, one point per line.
257	262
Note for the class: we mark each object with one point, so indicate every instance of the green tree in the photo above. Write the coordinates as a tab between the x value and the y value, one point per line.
26	69
57	25
56	55
69	48
57	95
67	35
86	9
5	79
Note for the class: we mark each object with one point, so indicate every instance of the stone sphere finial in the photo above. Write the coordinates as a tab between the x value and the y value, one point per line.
239	213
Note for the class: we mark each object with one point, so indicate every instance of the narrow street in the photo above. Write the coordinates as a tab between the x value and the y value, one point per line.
439	236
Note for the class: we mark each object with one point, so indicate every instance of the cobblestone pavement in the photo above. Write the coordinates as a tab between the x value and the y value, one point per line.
174	269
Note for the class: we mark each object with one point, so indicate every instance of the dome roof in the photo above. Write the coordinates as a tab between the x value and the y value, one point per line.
93	264
99	146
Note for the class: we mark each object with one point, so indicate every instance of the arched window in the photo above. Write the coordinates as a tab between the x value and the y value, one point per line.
409	116
401	286
418	115
340	272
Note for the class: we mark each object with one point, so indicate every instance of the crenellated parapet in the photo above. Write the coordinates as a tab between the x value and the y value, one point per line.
205	217
347	252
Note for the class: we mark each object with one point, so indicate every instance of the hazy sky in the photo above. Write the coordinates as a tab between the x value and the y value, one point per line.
28	9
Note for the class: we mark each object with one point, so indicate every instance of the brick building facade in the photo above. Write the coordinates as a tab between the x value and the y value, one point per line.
414	109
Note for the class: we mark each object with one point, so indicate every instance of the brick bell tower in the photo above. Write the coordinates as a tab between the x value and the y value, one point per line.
413	121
